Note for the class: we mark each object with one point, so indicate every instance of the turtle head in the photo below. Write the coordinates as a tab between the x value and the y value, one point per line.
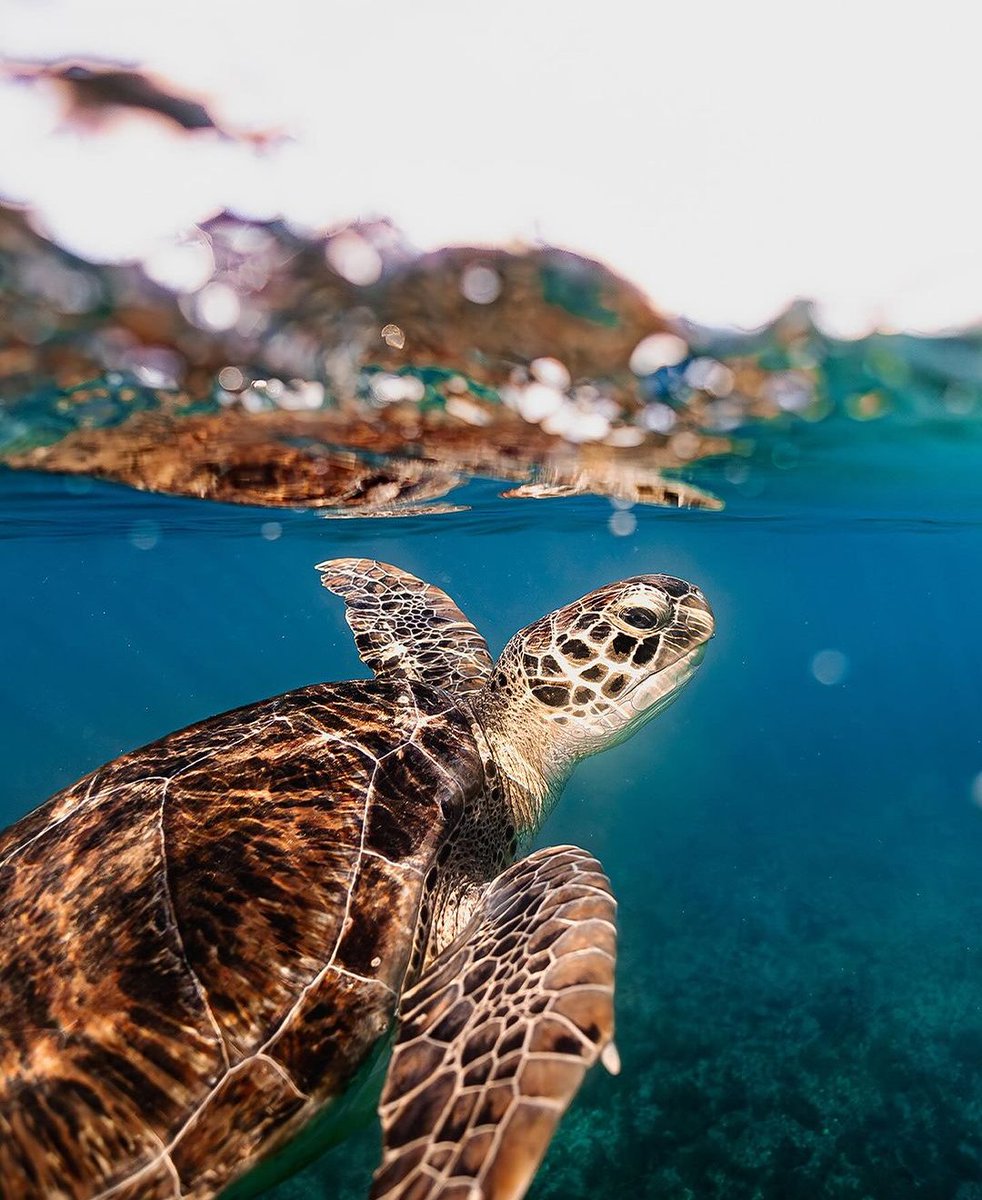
590	675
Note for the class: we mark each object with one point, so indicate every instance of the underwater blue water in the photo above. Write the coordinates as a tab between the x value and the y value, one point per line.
797	862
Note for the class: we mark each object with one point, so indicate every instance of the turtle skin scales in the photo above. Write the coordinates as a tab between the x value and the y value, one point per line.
203	939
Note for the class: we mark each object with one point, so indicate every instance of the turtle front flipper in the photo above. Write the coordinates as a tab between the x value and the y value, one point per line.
495	1038
407	629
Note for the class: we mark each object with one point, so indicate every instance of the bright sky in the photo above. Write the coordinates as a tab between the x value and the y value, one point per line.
725	156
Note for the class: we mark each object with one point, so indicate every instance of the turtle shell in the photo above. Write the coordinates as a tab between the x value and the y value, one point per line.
203	939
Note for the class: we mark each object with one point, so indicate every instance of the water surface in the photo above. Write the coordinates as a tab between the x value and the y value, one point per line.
795	844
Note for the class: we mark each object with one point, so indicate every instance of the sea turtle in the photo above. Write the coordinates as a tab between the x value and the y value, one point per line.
204	940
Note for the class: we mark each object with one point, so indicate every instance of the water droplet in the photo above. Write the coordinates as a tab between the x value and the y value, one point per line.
622	524
144	535
551	372
216	307
390	389
181	266
155	366
867	406
790	391
480	284
709	375
684	445
231	379
537	401
659	418
575	425
658	350
354	258
830	667
467	410
625	435
393	336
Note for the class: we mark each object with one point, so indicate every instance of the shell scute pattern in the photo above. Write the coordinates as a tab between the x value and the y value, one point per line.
204	938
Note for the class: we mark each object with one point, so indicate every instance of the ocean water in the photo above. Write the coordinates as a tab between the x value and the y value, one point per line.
795	844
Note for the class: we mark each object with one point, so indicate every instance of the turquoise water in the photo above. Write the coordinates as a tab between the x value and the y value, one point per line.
797	861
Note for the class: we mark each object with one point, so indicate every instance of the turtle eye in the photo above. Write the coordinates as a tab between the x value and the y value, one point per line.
640	618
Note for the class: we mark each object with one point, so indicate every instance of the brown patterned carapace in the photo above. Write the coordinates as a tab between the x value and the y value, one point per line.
203	940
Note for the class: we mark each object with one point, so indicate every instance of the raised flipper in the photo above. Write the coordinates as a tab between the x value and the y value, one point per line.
495	1038
407	629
